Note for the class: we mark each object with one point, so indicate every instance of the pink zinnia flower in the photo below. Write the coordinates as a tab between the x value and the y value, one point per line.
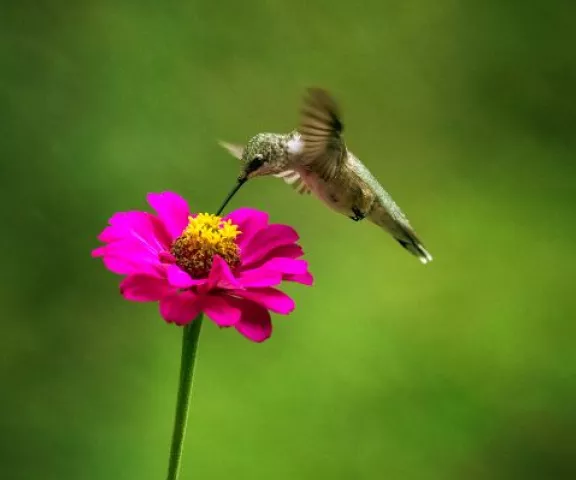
225	267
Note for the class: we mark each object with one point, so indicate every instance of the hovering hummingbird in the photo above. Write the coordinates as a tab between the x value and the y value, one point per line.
314	159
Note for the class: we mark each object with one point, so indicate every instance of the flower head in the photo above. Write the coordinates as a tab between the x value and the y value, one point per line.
226	267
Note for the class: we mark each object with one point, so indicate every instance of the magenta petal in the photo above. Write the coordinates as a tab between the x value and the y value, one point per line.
266	241
142	227
121	266
223	310
260	277
166	257
172	210
269	298
98	252
255	323
131	247
221	276
180	307
130	256
179	278
286	265
287	251
126	266
134	242
143	288
249	222
292	250
303	278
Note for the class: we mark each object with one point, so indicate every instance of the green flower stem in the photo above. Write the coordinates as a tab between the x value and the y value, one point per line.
190	335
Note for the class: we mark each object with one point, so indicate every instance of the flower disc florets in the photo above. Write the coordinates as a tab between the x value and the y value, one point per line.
205	236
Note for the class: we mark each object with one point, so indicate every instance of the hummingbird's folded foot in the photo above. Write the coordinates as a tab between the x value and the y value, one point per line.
358	215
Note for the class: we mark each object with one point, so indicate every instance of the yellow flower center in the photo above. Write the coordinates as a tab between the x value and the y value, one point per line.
205	236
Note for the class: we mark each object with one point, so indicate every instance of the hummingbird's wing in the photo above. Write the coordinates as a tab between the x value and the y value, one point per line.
234	149
320	128
293	178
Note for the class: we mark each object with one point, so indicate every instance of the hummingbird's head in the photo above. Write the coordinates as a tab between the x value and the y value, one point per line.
262	156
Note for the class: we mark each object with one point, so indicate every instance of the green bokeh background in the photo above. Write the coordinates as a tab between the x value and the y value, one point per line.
387	369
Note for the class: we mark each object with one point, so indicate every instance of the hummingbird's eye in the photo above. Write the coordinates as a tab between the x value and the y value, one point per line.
256	163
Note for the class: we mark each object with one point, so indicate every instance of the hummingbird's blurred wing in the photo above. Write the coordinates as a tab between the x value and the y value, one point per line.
293	178
234	149
320	128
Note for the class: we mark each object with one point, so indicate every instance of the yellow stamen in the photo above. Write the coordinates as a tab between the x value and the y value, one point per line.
205	236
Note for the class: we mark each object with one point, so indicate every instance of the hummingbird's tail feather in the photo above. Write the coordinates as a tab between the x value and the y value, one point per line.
397	225
416	248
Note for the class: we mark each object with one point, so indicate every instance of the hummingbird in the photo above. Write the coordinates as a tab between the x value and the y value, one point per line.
314	158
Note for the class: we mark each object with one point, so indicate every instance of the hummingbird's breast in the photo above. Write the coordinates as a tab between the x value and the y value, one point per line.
331	193
348	188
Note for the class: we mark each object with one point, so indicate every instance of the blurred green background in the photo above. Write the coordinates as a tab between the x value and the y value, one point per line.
387	369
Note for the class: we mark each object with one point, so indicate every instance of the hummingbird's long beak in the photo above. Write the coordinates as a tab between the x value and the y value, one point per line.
241	181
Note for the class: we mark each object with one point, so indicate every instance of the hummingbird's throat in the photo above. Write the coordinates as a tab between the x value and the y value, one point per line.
205	236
